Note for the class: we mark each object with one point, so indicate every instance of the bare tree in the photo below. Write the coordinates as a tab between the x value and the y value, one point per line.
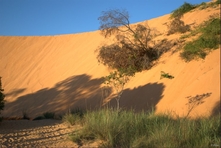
116	22
132	49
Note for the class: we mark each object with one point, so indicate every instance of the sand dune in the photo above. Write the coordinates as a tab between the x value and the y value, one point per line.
58	73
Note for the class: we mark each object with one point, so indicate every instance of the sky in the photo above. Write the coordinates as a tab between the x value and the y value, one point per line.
56	17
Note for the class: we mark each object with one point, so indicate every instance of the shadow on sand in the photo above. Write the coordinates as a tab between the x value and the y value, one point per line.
82	92
141	98
216	109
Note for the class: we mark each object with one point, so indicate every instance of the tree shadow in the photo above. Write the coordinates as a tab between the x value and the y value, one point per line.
78	91
216	109
141	98
194	101
82	92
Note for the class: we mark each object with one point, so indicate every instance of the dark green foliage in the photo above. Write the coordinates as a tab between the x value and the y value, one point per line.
209	39
2	96
117	80
212	27
186	7
166	75
218	2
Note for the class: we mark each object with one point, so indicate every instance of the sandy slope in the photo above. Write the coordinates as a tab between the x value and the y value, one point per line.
58	73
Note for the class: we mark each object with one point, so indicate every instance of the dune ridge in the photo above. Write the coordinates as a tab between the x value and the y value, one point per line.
58	73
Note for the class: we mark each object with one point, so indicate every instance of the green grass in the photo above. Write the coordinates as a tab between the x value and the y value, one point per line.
186	7
204	5
209	39
129	129
74	117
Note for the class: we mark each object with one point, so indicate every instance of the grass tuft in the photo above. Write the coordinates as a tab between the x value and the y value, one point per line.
186	7
145	129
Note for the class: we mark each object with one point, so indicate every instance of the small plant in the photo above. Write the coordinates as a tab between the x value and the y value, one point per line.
49	115
117	80
166	75
186	7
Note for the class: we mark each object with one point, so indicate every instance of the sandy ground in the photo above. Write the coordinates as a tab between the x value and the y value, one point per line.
40	133
59	73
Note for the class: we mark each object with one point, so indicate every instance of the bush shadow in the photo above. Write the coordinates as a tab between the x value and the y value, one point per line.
141	98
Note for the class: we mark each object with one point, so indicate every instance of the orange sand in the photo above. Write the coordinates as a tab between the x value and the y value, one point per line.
58	73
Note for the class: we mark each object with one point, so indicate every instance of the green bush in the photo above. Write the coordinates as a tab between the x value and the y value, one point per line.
209	39
186	7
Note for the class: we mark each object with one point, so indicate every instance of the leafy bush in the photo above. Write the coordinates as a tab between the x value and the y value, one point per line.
186	7
209	39
131	52
2	96
117	80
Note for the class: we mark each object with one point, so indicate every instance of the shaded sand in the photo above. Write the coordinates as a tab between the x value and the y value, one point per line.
59	73
42	133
